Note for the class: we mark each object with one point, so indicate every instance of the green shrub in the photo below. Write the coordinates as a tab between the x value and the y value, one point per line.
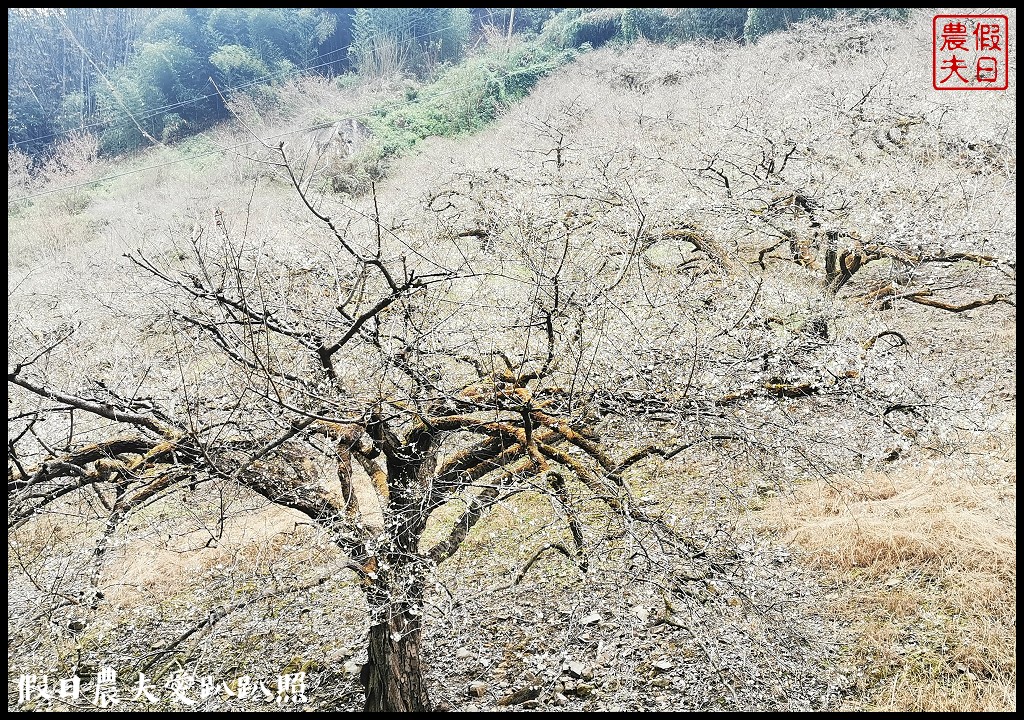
173	127
761	21
573	27
162	75
872	14
71	113
463	99
709	23
237	65
416	40
646	23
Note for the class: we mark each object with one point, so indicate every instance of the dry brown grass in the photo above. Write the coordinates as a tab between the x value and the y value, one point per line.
154	569
923	561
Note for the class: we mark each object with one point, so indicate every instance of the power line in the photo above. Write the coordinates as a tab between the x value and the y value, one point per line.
258	140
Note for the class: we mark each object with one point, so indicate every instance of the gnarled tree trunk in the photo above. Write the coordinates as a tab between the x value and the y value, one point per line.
393	676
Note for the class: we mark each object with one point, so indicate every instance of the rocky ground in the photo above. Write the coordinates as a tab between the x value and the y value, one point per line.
735	626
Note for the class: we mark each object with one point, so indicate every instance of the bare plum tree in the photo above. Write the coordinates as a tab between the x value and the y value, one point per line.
426	378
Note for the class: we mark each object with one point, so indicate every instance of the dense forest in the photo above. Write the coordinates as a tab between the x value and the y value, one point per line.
142	76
